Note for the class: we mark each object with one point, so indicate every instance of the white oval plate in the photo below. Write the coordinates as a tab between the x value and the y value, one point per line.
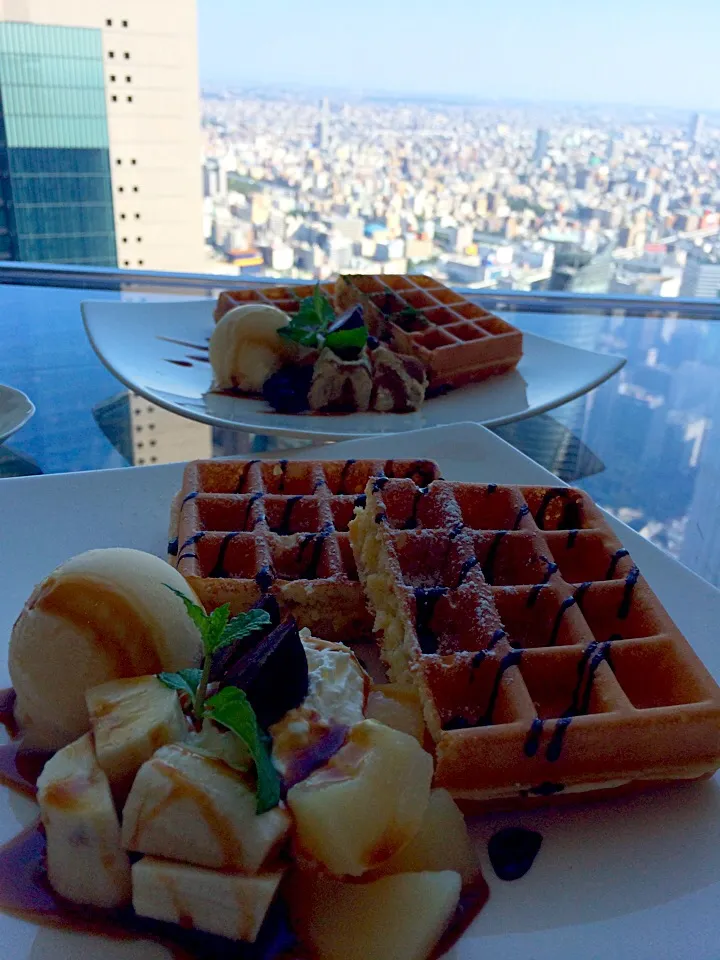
624	879
159	350
15	411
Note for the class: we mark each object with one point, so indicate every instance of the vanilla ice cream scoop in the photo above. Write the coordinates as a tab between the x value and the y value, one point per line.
245	347
104	615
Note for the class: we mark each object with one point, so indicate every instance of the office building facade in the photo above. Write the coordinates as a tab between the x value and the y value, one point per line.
100	133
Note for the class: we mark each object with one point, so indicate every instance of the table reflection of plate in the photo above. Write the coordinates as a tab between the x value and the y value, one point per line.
627	879
15	411
159	350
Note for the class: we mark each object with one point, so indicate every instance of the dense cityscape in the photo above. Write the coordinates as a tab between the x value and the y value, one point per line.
503	196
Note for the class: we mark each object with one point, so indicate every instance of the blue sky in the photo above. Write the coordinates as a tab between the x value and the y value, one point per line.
661	52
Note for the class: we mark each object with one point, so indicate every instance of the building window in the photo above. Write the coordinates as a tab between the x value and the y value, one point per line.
110	54
118	161
124	23
128	79
136	189
113	78
140	444
133	161
139	239
121	189
153	443
126	263
126	55
125	239
122	216
108	23
129	99
153	459
113	98
141	263
137	216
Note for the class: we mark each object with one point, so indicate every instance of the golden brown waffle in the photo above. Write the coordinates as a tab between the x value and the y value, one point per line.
285	298
457	341
545	663
243	527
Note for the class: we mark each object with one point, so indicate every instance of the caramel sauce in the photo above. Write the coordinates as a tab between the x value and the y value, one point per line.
26	893
112	624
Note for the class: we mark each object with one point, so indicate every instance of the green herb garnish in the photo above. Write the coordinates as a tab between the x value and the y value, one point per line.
230	708
217	630
184	681
344	339
310	324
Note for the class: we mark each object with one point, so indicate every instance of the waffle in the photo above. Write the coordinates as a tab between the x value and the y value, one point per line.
457	341
243	527
545	663
285	298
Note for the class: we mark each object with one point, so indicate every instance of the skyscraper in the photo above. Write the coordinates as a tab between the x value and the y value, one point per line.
696	128
701	276
322	130
542	141
99	133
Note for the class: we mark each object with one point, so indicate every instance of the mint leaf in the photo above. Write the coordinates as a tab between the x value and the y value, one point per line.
242	626
230	708
184	681
344	338
196	613
310	323
217	622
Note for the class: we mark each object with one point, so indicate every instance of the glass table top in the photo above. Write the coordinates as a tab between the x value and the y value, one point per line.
645	445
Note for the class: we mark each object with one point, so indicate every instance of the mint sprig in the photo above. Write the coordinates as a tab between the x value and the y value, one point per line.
310	324
230	708
217	630
184	681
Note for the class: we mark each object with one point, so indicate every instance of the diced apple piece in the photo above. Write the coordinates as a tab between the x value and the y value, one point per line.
441	843
85	860
228	904
131	719
397	706
394	918
366	803
185	806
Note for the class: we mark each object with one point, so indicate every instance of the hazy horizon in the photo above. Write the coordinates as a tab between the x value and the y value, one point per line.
659	54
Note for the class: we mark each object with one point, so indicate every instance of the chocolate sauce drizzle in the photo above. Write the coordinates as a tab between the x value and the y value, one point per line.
317	539
219	569
511	659
380	517
253	499
466	568
283	527
552	568
570	516
360	500
264	578
412	521
571	538
457	529
592	657
497	636
616	558
630	580
426	599
492	487
488	568
522	512
379	482
283	467
190	496
188	555
554	748
544	789
343	475
512	851
581	591
532	741
242	479
534	594
172	547
565	605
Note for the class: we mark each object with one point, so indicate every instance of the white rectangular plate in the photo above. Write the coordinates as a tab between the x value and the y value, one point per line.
634	879
159	351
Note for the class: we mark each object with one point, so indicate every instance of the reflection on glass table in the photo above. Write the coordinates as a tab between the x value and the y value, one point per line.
645	444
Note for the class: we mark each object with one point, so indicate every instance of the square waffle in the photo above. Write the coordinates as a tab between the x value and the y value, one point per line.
285	298
243	527
545	663
457	341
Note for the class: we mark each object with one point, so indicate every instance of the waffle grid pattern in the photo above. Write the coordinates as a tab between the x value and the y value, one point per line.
241	528
455	339
543	658
285	298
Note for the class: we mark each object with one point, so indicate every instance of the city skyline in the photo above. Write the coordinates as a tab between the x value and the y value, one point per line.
656	54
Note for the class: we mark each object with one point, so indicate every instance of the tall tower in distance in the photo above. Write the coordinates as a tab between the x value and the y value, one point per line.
696	129
322	130
100	133
542	142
